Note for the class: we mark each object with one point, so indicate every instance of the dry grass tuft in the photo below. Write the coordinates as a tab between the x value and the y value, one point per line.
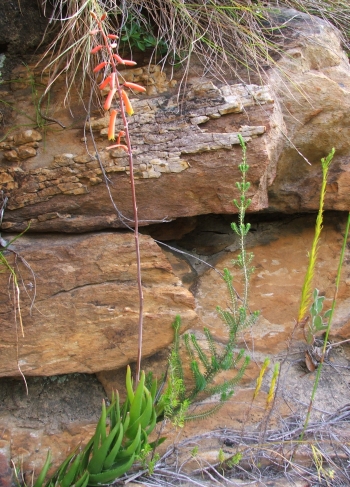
225	36
321	459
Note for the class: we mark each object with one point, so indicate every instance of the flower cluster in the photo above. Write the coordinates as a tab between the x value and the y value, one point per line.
112	81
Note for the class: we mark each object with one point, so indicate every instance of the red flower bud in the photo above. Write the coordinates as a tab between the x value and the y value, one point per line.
105	82
134	86
129	63
109	99
121	134
111	127
118	59
103	16
96	49
100	66
112	36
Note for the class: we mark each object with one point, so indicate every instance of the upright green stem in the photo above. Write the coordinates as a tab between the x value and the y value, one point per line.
242	229
306	292
243	233
319	368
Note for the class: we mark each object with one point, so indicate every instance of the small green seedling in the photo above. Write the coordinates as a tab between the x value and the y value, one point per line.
318	322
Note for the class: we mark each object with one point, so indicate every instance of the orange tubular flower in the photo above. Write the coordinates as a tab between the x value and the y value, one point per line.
116	146
129	63
96	49
105	82
112	81
109	99
103	16
121	134
100	66
118	59
111	128
128	107
134	86
112	36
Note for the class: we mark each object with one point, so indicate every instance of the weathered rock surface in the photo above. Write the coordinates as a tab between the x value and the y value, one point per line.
186	150
17	36
280	259
59	413
84	313
173	159
314	99
84	318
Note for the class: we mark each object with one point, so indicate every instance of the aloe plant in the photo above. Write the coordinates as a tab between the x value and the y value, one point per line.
120	440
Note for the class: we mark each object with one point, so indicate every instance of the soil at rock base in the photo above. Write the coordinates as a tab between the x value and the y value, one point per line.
60	405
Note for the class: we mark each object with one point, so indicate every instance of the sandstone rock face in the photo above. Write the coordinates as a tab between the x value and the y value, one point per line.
83	315
176	161
314	100
59	413
186	149
280	260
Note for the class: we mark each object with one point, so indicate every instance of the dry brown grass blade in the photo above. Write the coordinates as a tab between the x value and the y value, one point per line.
328	436
225	36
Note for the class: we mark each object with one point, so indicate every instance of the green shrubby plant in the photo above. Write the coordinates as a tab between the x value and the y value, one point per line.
317	322
120	440
137	33
206	365
121	436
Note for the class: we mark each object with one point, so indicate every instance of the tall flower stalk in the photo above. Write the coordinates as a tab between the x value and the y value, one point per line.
306	293
116	89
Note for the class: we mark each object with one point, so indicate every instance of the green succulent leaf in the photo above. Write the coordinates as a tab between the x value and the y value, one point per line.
42	474
109	475
152	423
71	475
129	387
136	404
112	455
98	458
133	445
83	481
145	417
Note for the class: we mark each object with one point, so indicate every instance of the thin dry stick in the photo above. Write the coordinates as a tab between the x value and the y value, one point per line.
15	307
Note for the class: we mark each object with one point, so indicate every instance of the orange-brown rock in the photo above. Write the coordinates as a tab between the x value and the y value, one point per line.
186	155
177	157
280	260
83	314
313	95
